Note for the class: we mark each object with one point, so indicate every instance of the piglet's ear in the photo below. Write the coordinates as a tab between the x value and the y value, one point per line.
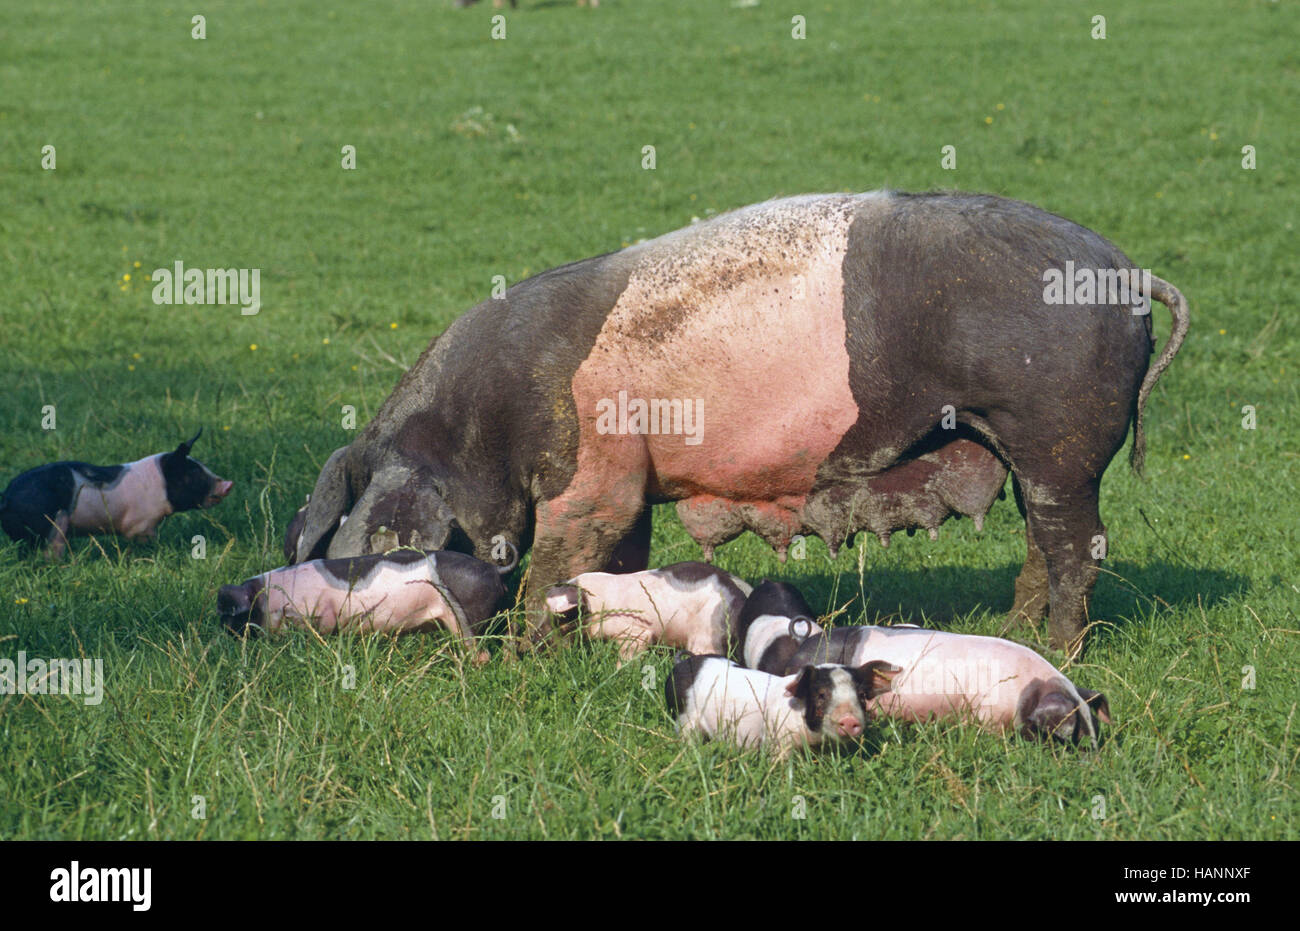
561	599
799	687
1097	702
879	675
184	449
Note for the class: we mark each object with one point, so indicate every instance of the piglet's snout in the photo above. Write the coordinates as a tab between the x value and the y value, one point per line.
234	607
849	725
219	490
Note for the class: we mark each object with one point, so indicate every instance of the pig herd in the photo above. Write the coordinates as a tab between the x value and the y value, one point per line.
871	362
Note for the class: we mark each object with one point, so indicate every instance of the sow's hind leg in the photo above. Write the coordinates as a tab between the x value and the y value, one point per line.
1063	525
1032	585
1066	524
1058	479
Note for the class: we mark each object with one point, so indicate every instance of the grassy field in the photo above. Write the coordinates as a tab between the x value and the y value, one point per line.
478	157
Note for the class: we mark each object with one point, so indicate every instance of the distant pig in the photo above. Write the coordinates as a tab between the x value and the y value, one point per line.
404	591
717	698
43	506
689	605
1002	685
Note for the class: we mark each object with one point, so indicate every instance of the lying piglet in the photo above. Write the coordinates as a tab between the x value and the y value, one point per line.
404	591
43	506
717	698
1003	685
689	605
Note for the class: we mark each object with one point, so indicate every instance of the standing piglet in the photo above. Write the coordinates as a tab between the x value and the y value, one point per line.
404	591
689	605
43	506
1002	685
717	698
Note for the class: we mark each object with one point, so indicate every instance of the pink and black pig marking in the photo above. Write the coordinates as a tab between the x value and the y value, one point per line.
714	697
689	605
404	591
1001	685
45	505
823	337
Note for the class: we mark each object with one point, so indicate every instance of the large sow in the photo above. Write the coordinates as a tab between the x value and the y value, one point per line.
824	364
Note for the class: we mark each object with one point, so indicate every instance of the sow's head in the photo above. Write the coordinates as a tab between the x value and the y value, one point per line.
389	502
190	484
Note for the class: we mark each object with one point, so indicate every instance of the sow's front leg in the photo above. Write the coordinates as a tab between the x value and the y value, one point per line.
633	552
581	531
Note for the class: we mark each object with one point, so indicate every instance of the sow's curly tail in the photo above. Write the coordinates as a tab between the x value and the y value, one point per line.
1172	298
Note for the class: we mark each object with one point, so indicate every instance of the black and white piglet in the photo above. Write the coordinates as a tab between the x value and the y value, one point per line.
1000	685
403	591
43	506
713	696
689	605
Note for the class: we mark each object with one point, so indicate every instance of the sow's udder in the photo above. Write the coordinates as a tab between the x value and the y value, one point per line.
959	478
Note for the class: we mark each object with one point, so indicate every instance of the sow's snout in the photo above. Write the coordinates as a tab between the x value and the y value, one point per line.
238	607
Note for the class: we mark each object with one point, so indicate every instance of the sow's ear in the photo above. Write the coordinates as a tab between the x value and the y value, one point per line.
330	500
801	686
404	501
877	676
1097	702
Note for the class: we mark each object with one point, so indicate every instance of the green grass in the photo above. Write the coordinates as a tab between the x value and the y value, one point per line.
225	152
